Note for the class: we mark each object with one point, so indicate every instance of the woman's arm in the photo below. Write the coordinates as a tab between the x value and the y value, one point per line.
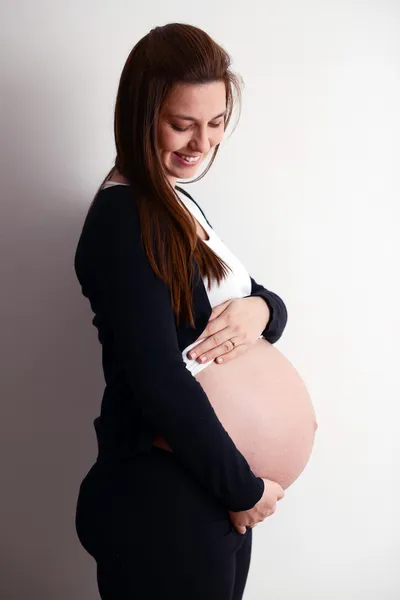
135	305
278	313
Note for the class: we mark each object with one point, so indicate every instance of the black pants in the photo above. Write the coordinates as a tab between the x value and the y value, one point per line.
154	533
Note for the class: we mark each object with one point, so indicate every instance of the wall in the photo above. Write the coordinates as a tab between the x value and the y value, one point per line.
312	171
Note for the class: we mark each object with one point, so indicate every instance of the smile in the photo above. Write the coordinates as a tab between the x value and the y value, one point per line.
189	160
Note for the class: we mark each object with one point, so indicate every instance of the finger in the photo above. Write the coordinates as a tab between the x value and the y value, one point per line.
210	343
213	352
224	358
195	353
241	529
225	352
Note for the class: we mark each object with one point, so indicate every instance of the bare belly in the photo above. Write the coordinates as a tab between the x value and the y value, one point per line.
263	404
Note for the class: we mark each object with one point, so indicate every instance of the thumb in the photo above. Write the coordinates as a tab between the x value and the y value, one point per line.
241	529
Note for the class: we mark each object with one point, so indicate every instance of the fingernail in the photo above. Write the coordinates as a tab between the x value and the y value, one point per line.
192	355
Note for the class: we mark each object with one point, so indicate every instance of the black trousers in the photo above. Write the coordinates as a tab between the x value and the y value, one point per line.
154	533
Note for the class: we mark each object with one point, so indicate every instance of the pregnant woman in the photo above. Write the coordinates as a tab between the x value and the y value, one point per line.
191	454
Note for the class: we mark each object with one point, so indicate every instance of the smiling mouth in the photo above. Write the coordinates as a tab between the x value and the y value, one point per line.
187	158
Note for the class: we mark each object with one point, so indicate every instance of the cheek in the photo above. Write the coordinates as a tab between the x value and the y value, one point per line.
220	135
168	140
217	137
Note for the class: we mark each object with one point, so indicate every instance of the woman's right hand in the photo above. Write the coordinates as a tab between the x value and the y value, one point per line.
265	507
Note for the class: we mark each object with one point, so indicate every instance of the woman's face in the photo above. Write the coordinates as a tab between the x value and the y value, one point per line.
191	124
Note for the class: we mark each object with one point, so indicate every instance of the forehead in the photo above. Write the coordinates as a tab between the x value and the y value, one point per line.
200	101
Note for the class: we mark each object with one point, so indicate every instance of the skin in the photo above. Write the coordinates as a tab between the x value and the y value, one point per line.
195	136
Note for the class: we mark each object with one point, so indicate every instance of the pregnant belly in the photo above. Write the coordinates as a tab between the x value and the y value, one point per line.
263	404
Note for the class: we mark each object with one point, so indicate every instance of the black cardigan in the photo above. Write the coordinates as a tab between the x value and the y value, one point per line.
148	389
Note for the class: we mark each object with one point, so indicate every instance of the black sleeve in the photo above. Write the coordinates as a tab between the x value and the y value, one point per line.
136	305
278	313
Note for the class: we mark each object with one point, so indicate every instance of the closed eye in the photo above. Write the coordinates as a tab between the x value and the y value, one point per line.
176	128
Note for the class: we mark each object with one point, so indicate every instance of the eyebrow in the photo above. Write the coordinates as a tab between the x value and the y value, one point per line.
187	118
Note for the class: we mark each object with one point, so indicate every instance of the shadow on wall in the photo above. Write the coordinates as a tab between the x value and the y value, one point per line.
51	381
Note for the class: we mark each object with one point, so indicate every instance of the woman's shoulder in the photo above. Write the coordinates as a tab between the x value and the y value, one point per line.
111	225
118	194
112	215
114	202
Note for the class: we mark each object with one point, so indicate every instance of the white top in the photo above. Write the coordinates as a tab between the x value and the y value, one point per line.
237	283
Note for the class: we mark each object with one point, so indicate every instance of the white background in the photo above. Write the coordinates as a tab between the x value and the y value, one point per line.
305	191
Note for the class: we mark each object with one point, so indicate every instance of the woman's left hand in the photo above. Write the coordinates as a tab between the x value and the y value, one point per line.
232	328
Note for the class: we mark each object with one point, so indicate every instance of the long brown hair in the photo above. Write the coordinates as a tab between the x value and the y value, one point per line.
166	56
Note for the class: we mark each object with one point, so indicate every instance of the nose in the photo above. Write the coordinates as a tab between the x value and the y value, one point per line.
200	141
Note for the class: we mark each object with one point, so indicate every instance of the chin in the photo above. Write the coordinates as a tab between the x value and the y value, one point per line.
181	173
